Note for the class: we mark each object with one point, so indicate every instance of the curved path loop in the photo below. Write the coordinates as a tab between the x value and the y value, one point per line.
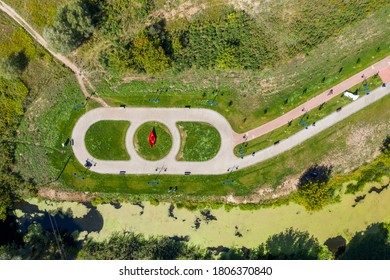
78	73
167	116
224	162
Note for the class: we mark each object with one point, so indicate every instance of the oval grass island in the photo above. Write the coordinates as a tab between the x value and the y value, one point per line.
106	140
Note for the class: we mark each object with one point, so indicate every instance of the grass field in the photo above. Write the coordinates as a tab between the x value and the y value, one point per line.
199	141
345	146
106	140
163	141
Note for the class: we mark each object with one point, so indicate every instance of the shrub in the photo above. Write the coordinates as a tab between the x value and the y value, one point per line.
154	202
72	27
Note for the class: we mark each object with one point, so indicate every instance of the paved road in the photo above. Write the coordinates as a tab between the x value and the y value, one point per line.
77	71
225	160
313	103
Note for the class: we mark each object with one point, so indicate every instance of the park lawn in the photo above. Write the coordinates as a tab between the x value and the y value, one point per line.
163	141
199	141
329	144
106	140
288	130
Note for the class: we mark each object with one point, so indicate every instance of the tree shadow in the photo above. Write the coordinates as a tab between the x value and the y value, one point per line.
371	244
315	174
159	29
386	145
336	245
154	133
19	60
9	231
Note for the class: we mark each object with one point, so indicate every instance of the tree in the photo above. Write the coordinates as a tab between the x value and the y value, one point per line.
131	246
313	188
10	252
148	55
291	245
371	244
14	65
386	145
72	27
8	185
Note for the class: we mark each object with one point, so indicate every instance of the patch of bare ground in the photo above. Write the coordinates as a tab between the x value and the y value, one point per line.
143	78
362	145
265	193
252	7
183	137
60	195
185	10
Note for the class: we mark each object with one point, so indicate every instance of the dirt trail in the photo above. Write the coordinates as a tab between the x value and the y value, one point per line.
81	78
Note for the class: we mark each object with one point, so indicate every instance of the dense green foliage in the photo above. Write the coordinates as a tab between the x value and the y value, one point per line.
12	95
291	245
148	56
232	40
163	141
72	26
16	52
30	73
131	246
106	140
40	244
371	244
200	141
313	189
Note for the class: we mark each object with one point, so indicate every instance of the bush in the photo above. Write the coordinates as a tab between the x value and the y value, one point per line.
353	188
154	202
14	65
72	27
148	55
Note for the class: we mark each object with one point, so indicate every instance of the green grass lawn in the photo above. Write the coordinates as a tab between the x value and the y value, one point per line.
163	141
288	130
199	141
106	140
334	142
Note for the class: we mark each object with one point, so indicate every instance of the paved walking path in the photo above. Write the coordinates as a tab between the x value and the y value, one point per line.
313	103
77	71
224	162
